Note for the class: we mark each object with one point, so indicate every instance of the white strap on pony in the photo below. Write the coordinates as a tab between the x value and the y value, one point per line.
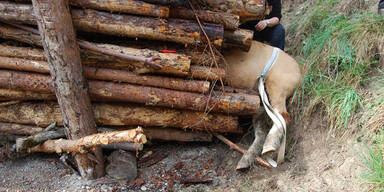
277	118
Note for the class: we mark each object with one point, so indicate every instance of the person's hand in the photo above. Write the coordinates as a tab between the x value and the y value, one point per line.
261	25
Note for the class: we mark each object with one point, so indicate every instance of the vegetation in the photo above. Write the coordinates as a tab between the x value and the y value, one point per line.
340	58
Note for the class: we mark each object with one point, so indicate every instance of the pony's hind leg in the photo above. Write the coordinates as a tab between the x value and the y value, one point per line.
255	149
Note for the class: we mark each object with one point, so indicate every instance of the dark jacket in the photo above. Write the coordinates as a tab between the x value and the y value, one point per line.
276	9
276	12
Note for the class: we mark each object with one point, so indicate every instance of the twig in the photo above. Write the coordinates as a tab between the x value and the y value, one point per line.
206	36
150	61
232	145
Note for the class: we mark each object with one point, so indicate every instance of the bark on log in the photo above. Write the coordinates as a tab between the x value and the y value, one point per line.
156	133
229	21
107	91
8	32
19	129
126	6
241	38
63	55
171	63
84	144
109	75
43	114
247	10
174	30
168	2
22	52
10	94
206	73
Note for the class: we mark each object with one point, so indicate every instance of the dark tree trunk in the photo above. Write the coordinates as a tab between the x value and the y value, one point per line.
62	53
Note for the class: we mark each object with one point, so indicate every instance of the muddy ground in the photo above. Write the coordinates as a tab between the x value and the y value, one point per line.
313	164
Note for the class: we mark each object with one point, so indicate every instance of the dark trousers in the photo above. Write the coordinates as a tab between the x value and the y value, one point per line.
274	36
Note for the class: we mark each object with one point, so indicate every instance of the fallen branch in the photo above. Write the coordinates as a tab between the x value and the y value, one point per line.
83	144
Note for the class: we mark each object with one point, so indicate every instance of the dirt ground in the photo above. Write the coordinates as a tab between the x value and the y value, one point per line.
313	164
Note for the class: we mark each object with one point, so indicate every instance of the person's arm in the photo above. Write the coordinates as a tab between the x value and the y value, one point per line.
274	17
267	23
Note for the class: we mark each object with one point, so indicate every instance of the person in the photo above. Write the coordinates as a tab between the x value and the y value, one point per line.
269	29
380	8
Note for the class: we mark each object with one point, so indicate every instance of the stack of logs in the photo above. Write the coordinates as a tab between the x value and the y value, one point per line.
167	86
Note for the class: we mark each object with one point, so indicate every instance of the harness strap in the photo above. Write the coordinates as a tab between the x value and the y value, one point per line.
277	118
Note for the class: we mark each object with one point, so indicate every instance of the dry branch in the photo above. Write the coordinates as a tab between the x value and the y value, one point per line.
82	145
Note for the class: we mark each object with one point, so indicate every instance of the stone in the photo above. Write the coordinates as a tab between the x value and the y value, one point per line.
122	165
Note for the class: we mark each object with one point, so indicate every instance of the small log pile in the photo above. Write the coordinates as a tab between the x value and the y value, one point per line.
152	63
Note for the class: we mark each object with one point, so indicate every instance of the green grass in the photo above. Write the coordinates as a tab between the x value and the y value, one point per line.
373	159
339	54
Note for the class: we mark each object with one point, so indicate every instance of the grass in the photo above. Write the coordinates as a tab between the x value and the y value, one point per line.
340	60
337	49
373	159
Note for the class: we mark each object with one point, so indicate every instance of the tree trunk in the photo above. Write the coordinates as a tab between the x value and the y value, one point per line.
110	75
156	133
134	7
228	20
174	30
62	52
85	144
44	113
240	104
241	38
206	73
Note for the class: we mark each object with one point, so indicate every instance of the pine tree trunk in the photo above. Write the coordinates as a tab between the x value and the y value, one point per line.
240	104
62	52
44	113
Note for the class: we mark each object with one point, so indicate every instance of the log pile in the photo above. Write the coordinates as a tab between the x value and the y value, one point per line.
149	63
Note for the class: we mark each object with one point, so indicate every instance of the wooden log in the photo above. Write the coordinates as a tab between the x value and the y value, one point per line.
206	73
83	145
22	52
247	10
134	7
228	20
173	30
110	75
127	146
44	113
241	38
19	129
155	133
71	89
171	63
168	2
108	91
8	32
10	94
